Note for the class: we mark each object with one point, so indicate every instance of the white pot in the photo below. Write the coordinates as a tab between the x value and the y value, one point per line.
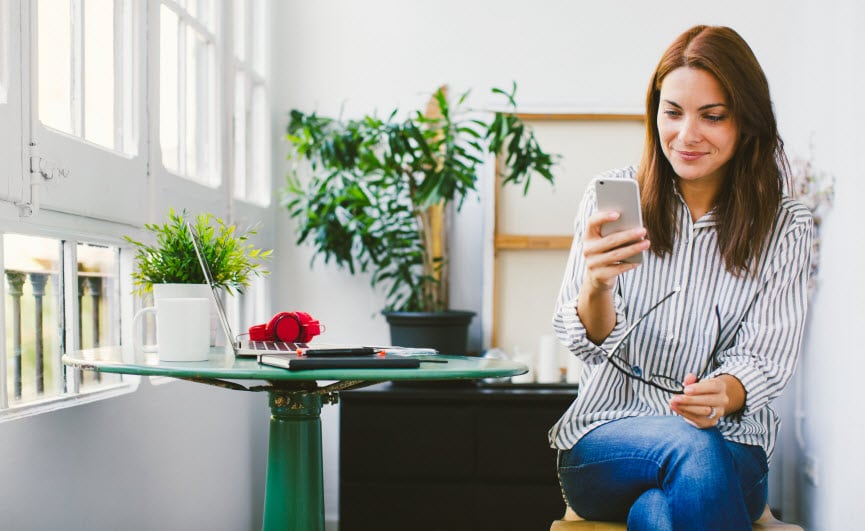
176	291
183	291
182	332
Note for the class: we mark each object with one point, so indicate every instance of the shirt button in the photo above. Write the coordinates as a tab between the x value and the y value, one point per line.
637	370
671	337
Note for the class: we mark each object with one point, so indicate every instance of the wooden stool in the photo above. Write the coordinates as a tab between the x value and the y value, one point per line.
572	522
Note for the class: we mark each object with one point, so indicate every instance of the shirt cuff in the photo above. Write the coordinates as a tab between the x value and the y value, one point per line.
578	340
754	383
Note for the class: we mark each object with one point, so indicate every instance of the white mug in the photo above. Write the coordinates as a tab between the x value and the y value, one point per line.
182	329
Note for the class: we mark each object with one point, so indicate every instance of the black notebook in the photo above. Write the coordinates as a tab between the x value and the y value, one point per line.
294	362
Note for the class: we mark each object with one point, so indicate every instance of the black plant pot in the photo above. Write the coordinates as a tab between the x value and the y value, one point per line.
447	332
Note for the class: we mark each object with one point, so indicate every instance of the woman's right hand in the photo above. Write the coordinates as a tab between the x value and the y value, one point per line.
605	255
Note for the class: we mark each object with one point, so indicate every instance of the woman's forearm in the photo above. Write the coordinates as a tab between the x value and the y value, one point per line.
597	311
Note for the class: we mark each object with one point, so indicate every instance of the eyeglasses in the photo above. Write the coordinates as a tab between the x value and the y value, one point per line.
658	381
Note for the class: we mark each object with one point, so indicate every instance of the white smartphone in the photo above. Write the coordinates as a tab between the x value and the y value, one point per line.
622	196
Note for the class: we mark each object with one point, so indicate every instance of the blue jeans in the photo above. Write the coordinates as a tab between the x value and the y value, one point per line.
660	473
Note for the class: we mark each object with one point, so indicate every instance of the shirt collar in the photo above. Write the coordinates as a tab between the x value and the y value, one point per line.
708	219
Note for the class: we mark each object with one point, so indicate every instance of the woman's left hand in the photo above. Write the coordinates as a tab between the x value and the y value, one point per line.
706	401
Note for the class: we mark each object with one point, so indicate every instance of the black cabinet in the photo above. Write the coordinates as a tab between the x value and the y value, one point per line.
449	458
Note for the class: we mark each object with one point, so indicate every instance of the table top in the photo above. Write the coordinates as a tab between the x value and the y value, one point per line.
224	365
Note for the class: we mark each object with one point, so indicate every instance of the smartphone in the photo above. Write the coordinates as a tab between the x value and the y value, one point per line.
622	196
346	351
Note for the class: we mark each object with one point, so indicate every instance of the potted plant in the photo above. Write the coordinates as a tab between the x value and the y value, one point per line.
380	191
170	267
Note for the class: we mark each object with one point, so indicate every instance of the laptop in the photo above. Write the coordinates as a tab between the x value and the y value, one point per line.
291	355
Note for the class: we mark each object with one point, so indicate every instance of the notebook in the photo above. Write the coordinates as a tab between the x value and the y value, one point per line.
285	354
294	362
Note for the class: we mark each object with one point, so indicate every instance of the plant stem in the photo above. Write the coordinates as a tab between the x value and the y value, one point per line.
432	223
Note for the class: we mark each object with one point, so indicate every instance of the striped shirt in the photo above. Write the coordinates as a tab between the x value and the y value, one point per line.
762	319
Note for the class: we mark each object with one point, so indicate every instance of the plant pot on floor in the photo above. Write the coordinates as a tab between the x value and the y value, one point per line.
446	331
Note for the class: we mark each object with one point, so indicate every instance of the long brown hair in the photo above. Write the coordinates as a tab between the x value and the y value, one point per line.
748	201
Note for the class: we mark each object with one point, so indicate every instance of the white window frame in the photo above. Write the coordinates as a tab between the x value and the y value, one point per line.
11	108
254	208
52	225
250	58
66	170
74	208
201	197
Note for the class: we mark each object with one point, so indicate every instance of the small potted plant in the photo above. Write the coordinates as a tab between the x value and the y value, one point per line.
380	193
170	267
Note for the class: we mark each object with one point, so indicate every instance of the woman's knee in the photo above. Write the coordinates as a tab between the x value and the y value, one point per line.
691	447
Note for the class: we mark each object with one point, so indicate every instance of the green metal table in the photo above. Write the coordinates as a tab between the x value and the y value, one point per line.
294	493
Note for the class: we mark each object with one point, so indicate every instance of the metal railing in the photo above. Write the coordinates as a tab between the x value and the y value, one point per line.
27	332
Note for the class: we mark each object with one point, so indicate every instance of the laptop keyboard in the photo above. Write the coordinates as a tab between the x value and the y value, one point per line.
276	346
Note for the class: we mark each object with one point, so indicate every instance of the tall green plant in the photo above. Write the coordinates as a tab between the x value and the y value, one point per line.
366	204
172	259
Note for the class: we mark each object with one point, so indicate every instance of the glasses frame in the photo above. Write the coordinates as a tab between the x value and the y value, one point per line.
674	386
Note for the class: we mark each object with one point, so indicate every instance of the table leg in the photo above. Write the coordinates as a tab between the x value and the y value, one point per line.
294	491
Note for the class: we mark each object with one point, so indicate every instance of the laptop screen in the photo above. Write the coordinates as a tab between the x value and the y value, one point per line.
208	277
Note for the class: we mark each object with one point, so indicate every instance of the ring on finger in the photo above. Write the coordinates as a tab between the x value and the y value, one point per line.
711	415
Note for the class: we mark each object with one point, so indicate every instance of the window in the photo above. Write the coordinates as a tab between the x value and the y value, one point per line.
97	314
188	131
252	153
86	126
4	51
75	94
95	143
41	318
10	103
32	272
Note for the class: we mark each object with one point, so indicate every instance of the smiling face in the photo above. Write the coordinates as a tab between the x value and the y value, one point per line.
695	127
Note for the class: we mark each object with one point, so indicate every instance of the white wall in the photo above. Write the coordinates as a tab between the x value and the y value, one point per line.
833	82
355	57
172	456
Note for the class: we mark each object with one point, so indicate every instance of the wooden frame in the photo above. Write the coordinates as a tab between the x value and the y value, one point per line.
510	241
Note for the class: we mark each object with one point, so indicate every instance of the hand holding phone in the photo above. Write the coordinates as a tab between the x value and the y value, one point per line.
622	196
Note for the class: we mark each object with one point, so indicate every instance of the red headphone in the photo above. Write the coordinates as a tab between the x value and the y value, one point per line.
287	326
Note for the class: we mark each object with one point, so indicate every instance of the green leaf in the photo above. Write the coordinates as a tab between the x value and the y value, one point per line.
371	178
171	258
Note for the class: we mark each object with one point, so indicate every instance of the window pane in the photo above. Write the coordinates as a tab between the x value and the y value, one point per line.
240	14
55	68
260	49
99	72
4	51
130	104
200	111
260	146
188	113
193	100
33	317
205	12
240	136
97	304
168	90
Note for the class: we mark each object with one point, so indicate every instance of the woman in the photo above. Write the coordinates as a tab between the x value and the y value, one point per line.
672	429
